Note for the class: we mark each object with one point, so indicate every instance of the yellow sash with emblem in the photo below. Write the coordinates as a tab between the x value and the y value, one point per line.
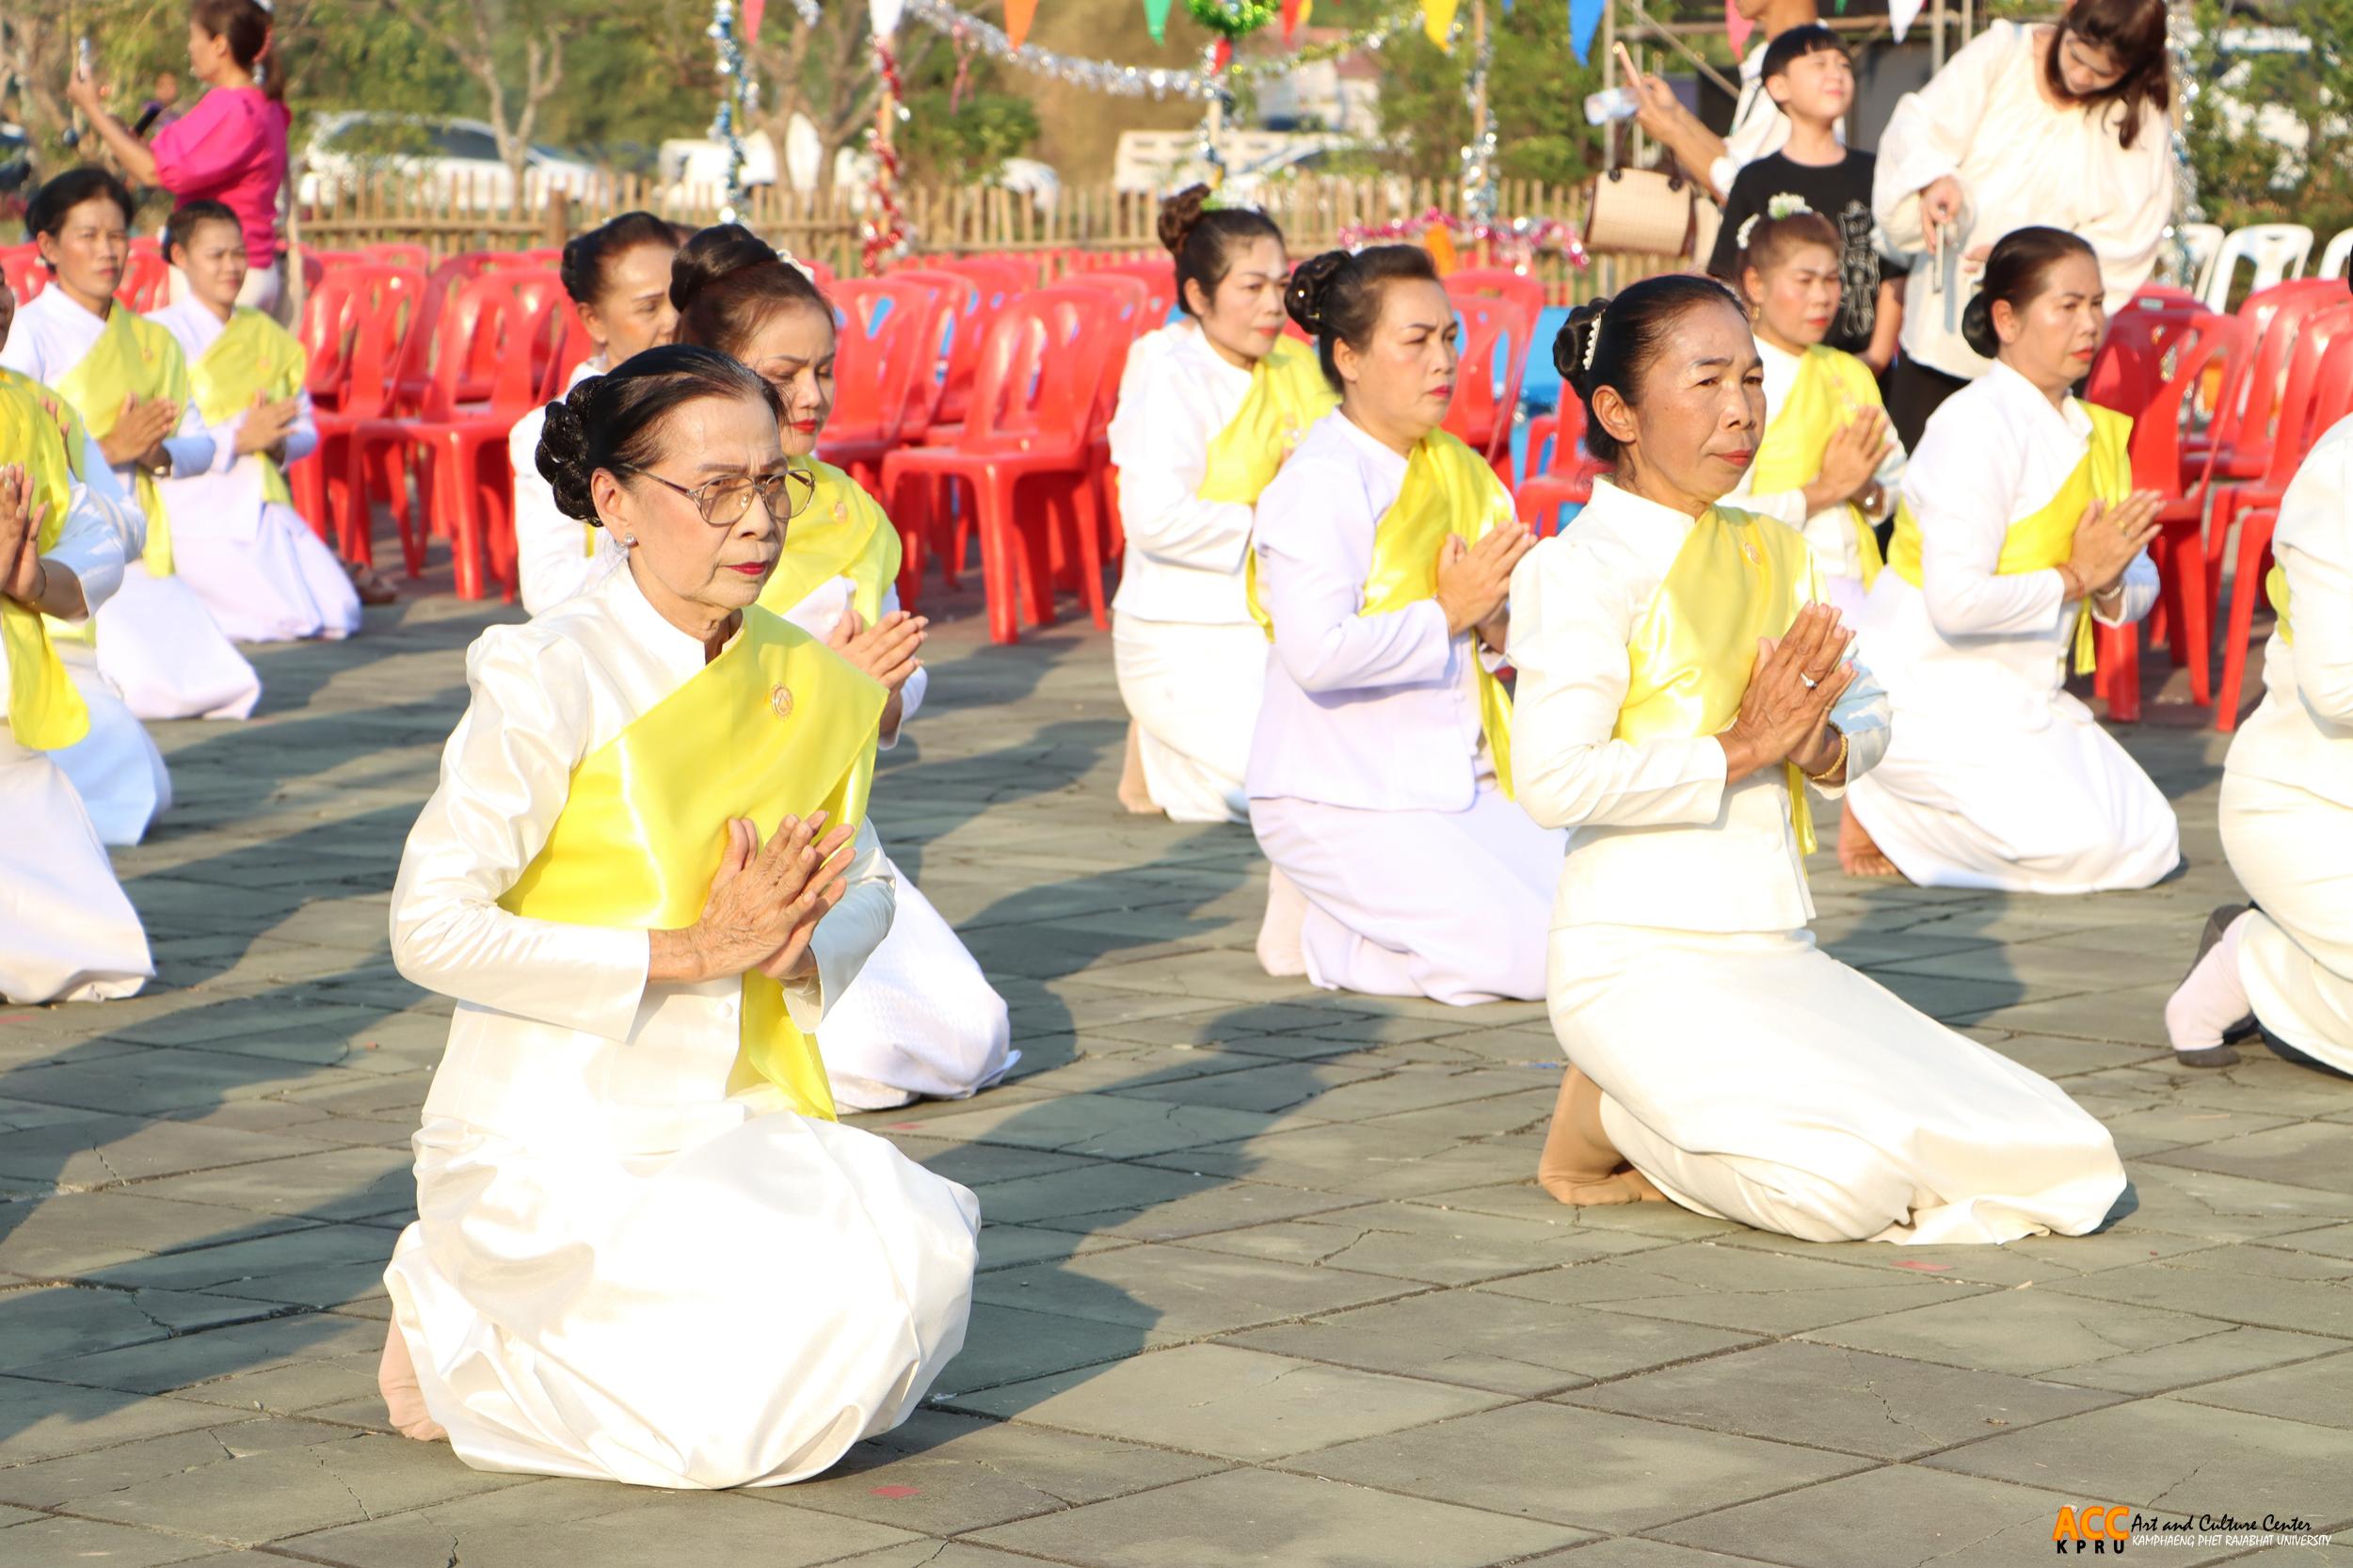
45	712
1448	488
61	414
777	724
1288	394
1830	391
844	532
1739	577
253	357
2047	537
132	355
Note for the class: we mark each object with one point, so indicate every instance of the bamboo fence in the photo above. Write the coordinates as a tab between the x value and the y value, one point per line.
1083	224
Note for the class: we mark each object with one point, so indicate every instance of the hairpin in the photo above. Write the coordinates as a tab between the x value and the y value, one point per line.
1593	337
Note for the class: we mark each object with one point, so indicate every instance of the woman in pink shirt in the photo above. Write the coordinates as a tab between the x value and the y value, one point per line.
231	147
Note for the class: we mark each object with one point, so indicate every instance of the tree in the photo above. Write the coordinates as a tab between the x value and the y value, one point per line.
483	37
1536	89
828	73
2265	65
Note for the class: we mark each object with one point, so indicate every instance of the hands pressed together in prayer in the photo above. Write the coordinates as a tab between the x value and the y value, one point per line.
24	577
764	904
2107	540
1850	463
1475	580
1785	714
885	651
139	431
264	426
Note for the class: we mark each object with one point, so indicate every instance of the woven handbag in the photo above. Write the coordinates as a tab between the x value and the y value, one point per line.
1638	211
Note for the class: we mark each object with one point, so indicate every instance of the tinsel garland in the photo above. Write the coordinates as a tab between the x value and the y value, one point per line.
883	237
736	87
1478	157
1522	237
1128	81
2181	36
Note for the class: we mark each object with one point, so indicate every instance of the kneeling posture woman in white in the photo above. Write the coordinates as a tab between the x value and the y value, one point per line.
921	1020
645	1251
1209	408
2019	528
1680	682
261	571
1380	775
2286	965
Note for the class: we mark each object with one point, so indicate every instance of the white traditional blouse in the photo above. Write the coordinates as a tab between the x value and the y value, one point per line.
2302	732
556	1026
1829	532
2020	162
1185	555
1657	838
552	558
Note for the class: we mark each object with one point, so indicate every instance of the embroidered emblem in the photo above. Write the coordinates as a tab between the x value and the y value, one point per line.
841	511
780	701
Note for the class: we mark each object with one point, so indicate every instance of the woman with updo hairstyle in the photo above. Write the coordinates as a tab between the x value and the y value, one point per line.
1209	406
1825	464
2018	529
154	642
2059	122
618	277
1682	684
922	1019
645	1250
1380	777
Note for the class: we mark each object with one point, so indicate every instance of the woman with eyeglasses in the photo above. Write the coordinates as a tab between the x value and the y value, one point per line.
645	1250
922	1019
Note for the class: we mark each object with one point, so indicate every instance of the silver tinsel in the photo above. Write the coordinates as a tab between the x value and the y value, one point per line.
1478	157
1106	76
2181	37
736	92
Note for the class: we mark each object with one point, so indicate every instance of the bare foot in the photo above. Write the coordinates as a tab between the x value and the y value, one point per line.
404	1402
1857	854
1579	1165
1135	796
1279	951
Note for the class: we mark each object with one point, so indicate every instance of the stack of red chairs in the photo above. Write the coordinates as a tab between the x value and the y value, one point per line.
886	341
353	326
20	268
1567	478
1502	282
1497	334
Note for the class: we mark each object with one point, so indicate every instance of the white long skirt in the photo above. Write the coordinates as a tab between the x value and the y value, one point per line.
1193	692
116	768
1756	1079
1989	784
734	1313
67	931
161	648
1447	905
920	1020
2293	852
274	583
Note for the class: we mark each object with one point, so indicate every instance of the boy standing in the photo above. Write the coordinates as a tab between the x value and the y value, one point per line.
1810	75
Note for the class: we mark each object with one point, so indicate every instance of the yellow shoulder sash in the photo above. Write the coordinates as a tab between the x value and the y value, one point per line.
2276	589
61	414
1830	390
1448	488
133	356
2046	537
1288	394
253	357
842	532
45	712
778	724
1739	577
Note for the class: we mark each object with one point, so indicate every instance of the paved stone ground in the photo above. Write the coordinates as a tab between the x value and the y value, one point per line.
1266	1280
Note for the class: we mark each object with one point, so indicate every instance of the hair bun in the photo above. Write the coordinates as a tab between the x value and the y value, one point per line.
1573	346
1311	280
562	458
713	254
1181	215
1976	325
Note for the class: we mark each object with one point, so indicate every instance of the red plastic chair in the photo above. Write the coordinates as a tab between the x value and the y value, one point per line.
960	320
399	253
1498	282
1031	418
994	273
440	286
885	338
2128	371
968	329
2209	357
2243	431
1159	278
352	331
22	269
2321	373
462	443
1132	297
1569	474
147	282
1495	337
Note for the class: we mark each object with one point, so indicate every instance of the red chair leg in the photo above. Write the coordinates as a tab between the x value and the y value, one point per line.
998	550
2120	661
2255	539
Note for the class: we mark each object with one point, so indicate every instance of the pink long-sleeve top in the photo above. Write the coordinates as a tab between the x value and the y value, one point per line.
231	147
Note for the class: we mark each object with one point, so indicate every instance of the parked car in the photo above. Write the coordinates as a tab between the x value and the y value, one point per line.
456	161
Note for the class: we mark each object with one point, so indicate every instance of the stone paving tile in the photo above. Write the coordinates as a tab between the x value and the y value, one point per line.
1265	1277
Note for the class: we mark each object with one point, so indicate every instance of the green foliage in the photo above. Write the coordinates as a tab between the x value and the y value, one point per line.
1536	87
2244	176
969	144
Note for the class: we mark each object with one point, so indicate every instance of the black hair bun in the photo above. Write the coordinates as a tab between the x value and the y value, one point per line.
713	253
1181	215
1311	280
562	458
1573	346
1976	325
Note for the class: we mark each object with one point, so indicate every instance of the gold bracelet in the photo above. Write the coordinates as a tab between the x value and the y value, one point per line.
1837	764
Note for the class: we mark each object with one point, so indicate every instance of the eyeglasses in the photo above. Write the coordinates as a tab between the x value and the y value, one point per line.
725	501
